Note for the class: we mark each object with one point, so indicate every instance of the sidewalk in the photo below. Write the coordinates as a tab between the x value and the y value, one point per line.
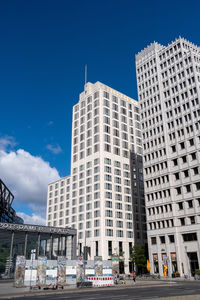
7	290
187	297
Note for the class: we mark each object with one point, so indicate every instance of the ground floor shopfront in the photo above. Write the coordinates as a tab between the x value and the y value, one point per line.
175	253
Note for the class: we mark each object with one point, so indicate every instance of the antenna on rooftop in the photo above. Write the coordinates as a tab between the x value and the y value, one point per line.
85	74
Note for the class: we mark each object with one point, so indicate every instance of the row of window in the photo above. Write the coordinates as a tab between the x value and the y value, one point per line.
180	133
149	93
154	143
152	132
170	51
108	232
87	206
160	209
190	204
161	224
106	110
106	95
89	197
187	237
158	195
155	154
149	101
156	167
151	121
59	184
184	95
186	173
157	181
168	207
90	215
162	239
190	220
176	101
107	147
177	176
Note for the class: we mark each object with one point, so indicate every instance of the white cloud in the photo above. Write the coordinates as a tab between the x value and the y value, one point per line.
50	123
33	219
7	141
27	177
54	149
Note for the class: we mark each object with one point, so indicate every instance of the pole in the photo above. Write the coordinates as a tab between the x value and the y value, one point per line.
25	244
84	256
33	251
50	248
31	269
38	245
11	253
62	238
187	262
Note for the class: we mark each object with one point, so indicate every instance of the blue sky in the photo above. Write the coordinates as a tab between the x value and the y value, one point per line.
44	48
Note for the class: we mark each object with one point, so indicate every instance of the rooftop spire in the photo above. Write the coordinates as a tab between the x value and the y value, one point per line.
85	74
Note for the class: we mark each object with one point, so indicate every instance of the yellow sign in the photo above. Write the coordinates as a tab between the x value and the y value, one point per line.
148	266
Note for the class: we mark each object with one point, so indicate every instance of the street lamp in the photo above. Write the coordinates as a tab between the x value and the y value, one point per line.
187	261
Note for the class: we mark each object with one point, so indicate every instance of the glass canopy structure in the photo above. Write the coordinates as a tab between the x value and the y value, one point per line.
20	239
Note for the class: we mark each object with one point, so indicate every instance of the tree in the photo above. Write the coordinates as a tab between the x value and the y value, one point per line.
138	257
4	255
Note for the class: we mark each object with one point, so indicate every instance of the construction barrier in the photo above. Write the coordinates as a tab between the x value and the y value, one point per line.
99	281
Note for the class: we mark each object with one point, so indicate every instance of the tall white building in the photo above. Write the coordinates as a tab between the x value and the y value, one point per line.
105	197
168	80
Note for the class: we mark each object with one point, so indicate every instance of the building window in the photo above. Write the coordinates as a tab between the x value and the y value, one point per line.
96	233
106	95
196	171
182	221
192	219
109	232
162	239
173	148
109	223
193	155
120	233
153	241
180	205
197	185
171	238
189	237
178	190
109	248
190	203
188	188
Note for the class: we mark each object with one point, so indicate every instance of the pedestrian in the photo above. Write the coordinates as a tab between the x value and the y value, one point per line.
56	287
124	278
134	277
116	278
38	283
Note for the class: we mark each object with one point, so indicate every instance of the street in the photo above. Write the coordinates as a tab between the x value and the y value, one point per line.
127	293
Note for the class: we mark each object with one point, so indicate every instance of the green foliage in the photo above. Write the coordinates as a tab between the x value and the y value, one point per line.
4	254
138	257
120	255
197	271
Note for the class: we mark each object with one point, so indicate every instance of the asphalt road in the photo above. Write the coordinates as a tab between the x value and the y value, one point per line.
126	293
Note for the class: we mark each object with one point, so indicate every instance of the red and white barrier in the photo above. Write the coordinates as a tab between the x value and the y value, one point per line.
101	280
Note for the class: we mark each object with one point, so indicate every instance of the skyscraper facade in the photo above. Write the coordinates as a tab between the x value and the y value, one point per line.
168	80
105	198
